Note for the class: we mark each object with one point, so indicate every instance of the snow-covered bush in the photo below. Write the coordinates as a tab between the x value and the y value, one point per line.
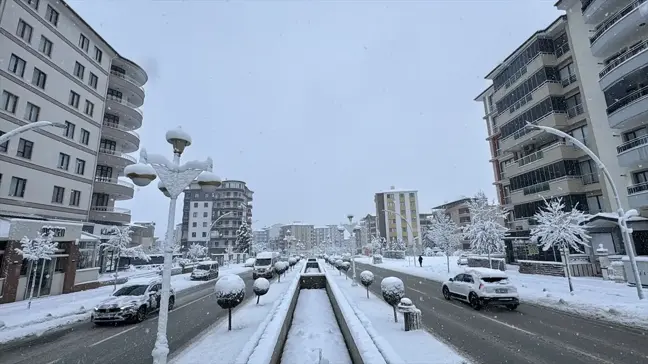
366	279
345	267
279	268
260	287
230	291
393	290
292	261
338	265
485	231
196	251
243	238
445	234
561	230
33	250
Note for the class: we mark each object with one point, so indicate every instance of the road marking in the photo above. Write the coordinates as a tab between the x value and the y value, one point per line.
113	336
507	325
421	292
192	302
54	361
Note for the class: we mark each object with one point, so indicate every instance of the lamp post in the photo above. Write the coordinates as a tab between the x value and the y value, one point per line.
622	215
174	178
409	227
21	129
352	228
214	223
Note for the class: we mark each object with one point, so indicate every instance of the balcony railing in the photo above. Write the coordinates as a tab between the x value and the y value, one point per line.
615	19
568	81
118	154
561	50
574	111
120	127
627	100
125	103
620	59
117	210
127	78
544	186
642	140
115	181
590	178
530	158
638	188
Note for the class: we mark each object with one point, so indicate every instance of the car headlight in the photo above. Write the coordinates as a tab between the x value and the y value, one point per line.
129	307
96	309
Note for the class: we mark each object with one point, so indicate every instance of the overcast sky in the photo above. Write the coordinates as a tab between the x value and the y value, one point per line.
319	104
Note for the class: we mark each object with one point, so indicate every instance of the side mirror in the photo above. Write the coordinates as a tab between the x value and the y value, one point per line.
451	279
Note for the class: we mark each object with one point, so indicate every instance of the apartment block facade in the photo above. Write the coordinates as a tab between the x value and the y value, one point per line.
57	68
397	211
300	232
459	212
213	218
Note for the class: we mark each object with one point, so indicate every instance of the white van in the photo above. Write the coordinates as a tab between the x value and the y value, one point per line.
263	265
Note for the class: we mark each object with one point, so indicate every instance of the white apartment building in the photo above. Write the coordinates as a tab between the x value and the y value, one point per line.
55	67
397	211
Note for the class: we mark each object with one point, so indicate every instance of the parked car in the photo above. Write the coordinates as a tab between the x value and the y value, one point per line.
480	287
462	260
206	270
132	302
249	262
264	264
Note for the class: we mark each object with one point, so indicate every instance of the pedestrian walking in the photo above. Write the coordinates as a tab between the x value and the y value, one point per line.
421	260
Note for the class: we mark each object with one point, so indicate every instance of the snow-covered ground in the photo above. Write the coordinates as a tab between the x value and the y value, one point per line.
314	332
52	312
249	324
395	344
592	296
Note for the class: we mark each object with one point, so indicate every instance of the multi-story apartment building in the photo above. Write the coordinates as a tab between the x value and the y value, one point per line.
397	211
261	237
300	232
57	68
459	212
212	218
368	228
542	83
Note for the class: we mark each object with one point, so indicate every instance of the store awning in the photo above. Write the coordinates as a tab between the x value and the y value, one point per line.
87	237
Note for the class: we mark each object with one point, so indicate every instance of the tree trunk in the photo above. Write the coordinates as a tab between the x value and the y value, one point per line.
367	291
279	278
229	320
116	273
31	291
490	263
395	315
448	262
571	287
258	299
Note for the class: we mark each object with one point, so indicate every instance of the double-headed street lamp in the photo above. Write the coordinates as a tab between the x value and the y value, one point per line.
352	228
623	216
21	129
174	178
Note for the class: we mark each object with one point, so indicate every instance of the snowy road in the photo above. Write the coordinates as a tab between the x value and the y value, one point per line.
532	334
195	311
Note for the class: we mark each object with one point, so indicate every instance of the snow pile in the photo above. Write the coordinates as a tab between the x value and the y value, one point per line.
314	332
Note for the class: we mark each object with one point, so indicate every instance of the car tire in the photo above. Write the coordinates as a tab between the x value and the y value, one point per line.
473	299
171	302
140	315
446	293
512	307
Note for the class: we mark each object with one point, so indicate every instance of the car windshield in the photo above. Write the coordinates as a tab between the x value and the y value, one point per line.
203	267
495	279
135	290
262	262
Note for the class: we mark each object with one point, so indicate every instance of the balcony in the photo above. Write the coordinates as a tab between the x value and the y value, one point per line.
595	11
638	196
134	72
114	158
619	28
541	60
557	187
130	140
110	214
627	62
555	119
633	152
129	114
630	111
551	153
116	188
127	86
546	89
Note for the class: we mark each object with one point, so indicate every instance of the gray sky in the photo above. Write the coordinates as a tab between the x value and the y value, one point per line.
319	104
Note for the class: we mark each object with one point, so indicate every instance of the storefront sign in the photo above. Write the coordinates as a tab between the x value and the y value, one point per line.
58	232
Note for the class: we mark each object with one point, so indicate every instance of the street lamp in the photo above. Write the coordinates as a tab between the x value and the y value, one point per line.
21	129
623	216
214	223
352	228
409	227
174	178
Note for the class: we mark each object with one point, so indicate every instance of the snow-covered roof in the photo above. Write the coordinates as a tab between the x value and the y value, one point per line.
614	217
265	255
397	190
89	237
486	272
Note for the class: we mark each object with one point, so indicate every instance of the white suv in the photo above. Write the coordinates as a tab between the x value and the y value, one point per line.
482	286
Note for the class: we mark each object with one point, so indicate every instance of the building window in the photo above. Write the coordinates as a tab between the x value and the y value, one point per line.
75	198
204	223
194	224
45	46
80	166
9	102
69	130
195	214
4	146
32	112
114	94
85	137
88	255
464	219
98	56
89	108
58	194
52	15
24	31
93	80
64	161
74	99
18	187
84	42
79	70
193	235
206	204
204	214
195	204
109	145
25	149
17	65
39	78
204	234
33	3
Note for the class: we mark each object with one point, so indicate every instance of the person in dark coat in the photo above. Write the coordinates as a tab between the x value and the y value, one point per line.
421	260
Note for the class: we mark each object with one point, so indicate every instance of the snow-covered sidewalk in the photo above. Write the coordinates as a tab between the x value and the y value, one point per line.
51	312
395	344
592	296
249	324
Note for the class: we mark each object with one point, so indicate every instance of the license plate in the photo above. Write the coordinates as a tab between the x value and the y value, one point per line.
501	290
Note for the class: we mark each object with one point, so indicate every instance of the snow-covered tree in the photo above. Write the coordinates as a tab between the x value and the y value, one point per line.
485	231
243	238
446	234
196	251
259	246
300	246
560	229
119	243
33	250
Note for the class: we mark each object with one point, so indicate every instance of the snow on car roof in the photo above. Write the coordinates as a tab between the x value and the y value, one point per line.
486	272
207	262
143	281
265	255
